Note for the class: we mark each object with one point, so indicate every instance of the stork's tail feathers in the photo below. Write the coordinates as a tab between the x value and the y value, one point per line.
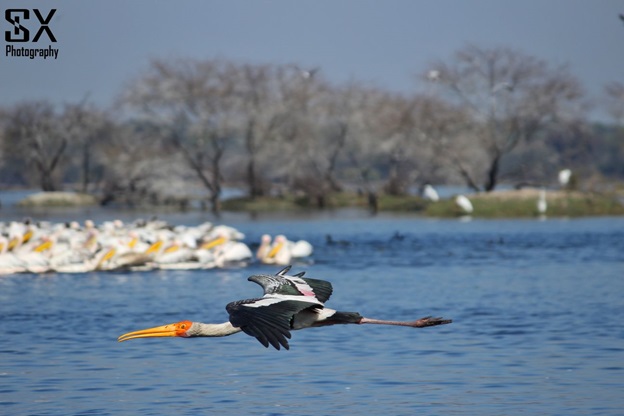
338	318
346	317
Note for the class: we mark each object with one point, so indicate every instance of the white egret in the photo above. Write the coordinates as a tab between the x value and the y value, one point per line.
464	203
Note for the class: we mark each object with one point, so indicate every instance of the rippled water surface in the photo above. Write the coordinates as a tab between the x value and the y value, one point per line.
538	327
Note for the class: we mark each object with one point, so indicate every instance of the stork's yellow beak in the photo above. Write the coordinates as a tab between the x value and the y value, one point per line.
177	329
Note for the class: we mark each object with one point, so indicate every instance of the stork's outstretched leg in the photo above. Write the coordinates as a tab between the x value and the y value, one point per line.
420	323
306	319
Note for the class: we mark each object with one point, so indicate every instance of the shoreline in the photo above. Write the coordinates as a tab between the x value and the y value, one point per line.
497	204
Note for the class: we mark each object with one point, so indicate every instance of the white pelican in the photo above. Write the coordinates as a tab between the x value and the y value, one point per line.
115	260
226	231
232	252
21	236
289	303
265	247
84	263
33	257
279	252
226	251
9	262
300	249
283	251
177	252
464	203
120	254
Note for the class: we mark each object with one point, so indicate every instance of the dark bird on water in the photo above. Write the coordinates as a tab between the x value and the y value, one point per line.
289	303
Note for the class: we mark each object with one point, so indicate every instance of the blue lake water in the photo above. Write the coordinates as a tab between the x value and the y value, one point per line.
538	309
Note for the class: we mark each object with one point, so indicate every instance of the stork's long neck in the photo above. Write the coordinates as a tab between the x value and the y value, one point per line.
200	329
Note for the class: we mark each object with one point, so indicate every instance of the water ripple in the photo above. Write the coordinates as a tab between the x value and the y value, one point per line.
537	329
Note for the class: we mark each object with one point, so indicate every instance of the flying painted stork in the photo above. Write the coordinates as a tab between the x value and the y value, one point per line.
289	303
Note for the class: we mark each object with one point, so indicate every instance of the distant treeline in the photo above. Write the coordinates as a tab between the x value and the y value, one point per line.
485	116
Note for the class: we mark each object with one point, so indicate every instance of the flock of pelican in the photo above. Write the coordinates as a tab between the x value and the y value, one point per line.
42	247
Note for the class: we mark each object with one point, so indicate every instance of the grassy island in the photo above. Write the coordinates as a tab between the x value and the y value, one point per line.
498	204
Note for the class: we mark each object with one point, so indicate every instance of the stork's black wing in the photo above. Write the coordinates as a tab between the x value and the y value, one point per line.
322	288
267	319
296	285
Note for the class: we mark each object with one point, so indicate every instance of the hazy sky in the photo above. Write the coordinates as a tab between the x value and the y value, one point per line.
104	44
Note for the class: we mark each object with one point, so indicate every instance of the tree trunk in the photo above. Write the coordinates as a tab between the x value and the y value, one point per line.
255	190
466	175
215	204
492	174
373	202
392	184
333	159
86	161
215	195
46	183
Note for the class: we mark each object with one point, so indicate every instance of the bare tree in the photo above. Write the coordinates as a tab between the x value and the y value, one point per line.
34	134
365	149
85	127
511	97
194	103
614	93
609	157
141	166
262	114
401	144
312	134
441	142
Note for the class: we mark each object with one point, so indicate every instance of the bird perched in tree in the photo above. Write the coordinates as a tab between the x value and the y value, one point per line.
564	177
289	303
309	73
433	75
